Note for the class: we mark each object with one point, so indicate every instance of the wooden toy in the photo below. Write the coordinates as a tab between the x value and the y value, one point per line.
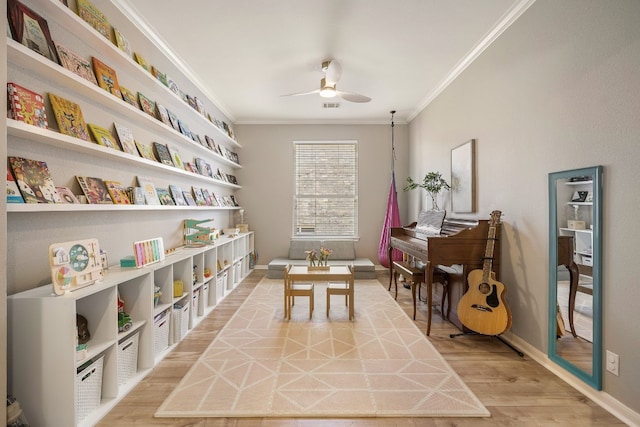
75	264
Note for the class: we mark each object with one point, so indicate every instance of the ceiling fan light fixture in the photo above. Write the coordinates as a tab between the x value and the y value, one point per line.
327	90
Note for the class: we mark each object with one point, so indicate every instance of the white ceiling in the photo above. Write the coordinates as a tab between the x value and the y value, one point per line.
400	53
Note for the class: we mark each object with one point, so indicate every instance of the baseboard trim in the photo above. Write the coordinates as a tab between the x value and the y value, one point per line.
614	406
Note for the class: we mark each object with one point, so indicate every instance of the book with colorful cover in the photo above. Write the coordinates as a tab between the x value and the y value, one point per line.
176	158
76	64
103	137
94	17
162	77
162	153
208	198
125	136
146	151
140	60
136	195
150	193
198	196
34	180
117	192
13	192
30	29
177	195
66	195
107	77
173	119
26	106
162	114
122	42
165	197
95	190
69	117
189	198
129	97
147	105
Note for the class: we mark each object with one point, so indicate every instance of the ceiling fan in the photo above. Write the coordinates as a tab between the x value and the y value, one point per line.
332	72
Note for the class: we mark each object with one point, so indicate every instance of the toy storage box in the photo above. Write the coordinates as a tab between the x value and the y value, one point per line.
127	358
180	320
161	332
88	389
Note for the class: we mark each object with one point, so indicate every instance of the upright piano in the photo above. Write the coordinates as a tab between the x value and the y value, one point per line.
461	241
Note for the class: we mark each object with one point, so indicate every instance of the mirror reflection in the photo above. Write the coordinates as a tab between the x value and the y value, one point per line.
575	268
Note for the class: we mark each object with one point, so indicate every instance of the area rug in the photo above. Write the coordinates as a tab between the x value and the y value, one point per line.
378	365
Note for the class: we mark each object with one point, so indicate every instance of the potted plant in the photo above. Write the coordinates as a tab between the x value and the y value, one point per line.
433	183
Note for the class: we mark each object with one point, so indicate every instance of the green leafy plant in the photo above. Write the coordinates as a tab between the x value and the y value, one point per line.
433	183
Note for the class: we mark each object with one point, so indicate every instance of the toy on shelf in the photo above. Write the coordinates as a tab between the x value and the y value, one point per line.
75	264
148	252
124	319
196	234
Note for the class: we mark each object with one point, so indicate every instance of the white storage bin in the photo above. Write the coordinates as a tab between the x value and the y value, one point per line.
195	301
228	279
221	285
204	301
161	332
180	321
128	358
88	389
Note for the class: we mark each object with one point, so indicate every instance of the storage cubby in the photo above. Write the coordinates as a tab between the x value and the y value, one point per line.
43	364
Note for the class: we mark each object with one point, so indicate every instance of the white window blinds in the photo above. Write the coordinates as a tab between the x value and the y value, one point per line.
326	189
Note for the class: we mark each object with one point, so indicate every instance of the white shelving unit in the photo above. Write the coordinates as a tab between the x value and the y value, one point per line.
582	238
42	328
42	361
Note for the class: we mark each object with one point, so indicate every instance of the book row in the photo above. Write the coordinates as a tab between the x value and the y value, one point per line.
29	181
28	106
97	72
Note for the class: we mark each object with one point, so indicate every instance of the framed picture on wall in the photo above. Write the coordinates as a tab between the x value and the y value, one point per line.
463	182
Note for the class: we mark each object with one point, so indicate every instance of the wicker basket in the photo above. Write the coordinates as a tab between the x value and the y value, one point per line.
180	321
88	388
161	333
195	301
204	301
127	358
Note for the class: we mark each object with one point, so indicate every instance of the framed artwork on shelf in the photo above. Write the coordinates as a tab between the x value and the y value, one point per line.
31	30
463	183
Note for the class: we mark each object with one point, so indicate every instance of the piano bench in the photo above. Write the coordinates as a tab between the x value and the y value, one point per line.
415	276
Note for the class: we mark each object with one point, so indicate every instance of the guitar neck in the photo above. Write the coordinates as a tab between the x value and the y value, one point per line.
487	264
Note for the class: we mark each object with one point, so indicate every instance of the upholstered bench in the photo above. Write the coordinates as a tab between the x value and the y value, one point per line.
344	253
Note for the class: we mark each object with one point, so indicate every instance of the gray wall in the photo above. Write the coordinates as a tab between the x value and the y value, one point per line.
267	179
560	89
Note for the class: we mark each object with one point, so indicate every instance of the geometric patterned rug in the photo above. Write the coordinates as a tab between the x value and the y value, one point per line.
378	365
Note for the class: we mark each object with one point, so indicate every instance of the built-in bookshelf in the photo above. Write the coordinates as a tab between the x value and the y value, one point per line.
42	349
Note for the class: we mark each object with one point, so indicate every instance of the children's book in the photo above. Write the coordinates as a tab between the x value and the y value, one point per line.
171	84
177	195
103	137
117	192
69	117
136	195
198	196
66	195
150	193
147	105
189	198
13	192
165	197
95	190
140	60
162	77
125	136
162	114
34	180
162	153
122	42
129	97
30	29
146	151
207	197
173	119
26	106
76	64
176	158
94	17
107	78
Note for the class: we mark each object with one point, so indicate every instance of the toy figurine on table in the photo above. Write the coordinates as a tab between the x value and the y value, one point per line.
196	234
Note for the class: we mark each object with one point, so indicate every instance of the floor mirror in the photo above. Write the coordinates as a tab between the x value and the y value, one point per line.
575	272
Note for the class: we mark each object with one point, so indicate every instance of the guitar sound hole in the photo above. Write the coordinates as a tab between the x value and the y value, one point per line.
484	288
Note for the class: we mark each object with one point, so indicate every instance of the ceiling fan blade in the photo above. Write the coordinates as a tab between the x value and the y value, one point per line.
352	97
334	72
302	93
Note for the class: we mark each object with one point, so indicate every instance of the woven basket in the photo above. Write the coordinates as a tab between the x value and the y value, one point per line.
127	358
88	389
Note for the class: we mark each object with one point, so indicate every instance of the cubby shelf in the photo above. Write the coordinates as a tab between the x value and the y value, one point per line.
42	353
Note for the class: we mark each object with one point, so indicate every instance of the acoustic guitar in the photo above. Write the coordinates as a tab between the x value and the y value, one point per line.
483	308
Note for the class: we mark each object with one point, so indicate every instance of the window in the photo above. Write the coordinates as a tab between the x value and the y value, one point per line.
326	188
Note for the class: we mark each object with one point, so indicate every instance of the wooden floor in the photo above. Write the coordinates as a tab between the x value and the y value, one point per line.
517	391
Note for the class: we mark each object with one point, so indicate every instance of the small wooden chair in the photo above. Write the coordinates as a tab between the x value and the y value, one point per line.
292	290
339	288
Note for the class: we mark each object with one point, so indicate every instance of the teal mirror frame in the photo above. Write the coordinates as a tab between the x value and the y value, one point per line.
595	377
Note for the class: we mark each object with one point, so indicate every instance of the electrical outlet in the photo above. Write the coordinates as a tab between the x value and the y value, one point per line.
613	363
